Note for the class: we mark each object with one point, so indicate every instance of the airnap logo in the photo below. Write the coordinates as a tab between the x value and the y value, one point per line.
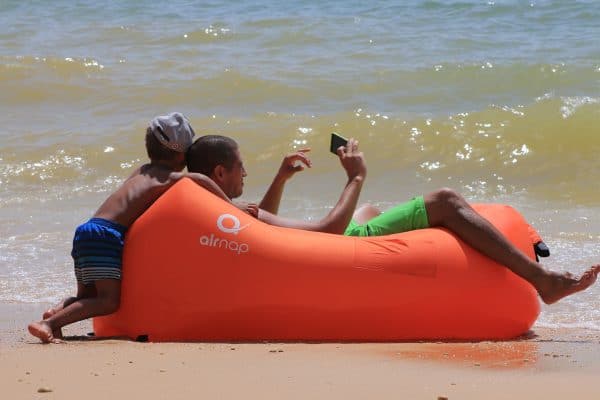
235	228
226	223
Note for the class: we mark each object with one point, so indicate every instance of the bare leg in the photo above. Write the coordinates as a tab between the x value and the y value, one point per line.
450	210
365	213
65	302
105	302
57	333
83	291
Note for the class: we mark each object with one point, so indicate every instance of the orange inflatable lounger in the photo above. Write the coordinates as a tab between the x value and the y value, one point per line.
198	269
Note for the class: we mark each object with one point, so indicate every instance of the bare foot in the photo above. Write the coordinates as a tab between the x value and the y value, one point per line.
57	333
564	284
42	331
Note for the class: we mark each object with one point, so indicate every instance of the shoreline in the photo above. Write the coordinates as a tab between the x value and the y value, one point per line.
552	363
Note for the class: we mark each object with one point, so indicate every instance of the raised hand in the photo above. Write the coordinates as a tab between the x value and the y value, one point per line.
289	165
352	160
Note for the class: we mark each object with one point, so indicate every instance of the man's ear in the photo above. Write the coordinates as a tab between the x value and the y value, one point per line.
219	173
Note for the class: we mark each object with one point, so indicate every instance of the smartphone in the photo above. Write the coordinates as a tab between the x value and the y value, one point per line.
336	142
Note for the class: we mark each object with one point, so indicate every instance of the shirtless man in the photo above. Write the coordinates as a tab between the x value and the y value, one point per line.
98	243
218	157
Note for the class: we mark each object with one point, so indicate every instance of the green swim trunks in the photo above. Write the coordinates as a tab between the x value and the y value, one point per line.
404	217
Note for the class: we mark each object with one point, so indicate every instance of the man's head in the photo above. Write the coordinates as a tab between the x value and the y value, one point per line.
168	137
218	157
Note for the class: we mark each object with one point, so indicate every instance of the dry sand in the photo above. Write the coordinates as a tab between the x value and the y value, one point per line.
549	364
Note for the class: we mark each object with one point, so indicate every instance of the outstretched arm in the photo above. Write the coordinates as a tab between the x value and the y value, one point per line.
249	208
338	218
212	187
288	168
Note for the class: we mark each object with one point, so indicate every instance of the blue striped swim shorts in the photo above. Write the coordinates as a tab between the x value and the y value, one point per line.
98	250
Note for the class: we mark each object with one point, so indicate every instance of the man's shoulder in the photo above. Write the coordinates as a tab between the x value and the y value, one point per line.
157	172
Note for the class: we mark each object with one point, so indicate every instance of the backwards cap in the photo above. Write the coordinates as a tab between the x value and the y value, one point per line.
173	131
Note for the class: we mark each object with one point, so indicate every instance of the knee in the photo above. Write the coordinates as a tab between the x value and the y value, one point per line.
367	208
448	197
365	213
110	304
109	294
444	203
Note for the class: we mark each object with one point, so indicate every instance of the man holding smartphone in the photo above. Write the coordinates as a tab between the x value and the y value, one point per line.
218	157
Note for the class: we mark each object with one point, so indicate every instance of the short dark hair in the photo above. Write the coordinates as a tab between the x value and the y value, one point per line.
209	151
156	150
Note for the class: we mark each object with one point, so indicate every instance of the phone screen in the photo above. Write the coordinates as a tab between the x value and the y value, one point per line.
336	142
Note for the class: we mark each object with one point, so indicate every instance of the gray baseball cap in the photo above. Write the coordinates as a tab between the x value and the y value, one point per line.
173	131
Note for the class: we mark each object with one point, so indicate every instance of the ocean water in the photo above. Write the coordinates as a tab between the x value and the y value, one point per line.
499	100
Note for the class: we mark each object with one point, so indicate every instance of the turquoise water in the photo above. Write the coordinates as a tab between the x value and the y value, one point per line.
499	100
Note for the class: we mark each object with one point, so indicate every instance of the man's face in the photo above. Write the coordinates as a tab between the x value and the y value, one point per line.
233	179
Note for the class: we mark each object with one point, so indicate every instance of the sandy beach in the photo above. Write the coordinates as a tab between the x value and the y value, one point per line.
498	100
549	364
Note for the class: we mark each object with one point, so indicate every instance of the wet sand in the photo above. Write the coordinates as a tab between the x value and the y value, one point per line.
553	364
